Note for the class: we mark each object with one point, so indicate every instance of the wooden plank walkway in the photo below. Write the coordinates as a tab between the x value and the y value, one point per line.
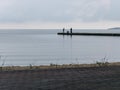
91	34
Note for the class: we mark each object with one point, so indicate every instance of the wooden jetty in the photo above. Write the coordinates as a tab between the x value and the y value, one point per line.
90	34
108	32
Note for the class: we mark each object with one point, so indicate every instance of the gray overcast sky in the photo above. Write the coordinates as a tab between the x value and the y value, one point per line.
20	12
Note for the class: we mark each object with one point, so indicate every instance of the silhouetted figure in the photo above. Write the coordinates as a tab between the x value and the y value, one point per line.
67	32
63	30
70	30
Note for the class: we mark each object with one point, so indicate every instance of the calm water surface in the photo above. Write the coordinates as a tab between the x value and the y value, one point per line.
42	47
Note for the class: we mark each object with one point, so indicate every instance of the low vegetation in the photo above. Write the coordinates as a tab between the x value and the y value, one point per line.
101	63
56	66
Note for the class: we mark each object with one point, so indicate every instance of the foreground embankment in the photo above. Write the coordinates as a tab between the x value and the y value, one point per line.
61	77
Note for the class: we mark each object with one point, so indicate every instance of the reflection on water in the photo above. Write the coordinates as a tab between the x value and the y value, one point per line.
38	47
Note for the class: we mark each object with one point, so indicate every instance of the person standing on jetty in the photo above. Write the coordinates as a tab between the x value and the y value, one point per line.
63	30
70	30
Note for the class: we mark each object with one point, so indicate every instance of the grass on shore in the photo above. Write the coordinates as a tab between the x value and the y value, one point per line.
55	66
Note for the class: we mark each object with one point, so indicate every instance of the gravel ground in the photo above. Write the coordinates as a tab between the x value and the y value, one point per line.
89	78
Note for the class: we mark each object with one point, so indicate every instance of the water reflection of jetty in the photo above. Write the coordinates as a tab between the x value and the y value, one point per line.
70	32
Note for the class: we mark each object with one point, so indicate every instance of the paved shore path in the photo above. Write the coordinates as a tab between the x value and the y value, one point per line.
89	78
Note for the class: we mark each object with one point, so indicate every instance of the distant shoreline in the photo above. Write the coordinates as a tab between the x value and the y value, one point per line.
115	28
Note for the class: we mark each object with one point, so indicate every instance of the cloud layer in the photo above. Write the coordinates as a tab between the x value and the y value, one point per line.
20	11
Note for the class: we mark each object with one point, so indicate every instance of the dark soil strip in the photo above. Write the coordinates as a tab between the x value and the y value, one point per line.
92	78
